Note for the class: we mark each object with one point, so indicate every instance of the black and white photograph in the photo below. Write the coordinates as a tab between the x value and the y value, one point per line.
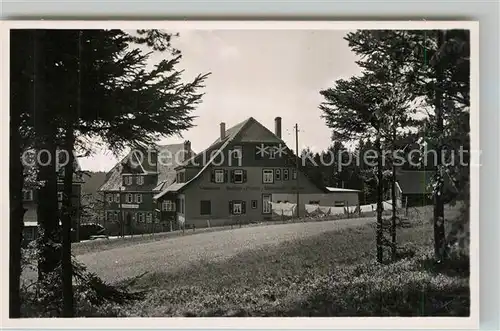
204	170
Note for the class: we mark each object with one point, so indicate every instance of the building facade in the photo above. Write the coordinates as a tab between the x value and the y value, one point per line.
130	186
31	198
234	180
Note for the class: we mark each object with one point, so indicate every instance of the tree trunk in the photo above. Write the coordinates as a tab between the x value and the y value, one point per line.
394	216
16	210
45	133
393	195
67	213
380	252
439	231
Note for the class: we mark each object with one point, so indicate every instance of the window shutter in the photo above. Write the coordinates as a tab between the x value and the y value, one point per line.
225	176
232	176
212	178
244	176
230	207
243	207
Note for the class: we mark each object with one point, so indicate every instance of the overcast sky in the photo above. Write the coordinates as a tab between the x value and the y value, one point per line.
258	73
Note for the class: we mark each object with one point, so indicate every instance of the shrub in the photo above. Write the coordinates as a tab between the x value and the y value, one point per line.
92	296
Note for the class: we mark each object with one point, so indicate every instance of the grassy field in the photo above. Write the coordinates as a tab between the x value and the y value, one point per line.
91	246
332	274
100	245
302	269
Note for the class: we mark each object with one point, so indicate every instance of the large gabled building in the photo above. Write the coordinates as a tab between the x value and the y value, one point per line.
235	178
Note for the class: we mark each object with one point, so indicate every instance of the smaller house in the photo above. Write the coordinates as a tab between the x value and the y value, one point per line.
131	184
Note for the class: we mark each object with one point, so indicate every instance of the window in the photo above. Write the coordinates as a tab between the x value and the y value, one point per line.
219	176
138	198
140	180
205	207
285	174
109	216
140	217
28	233
254	204
28	195
339	203
115	216
59	196
238	176
266	204
128	180
314	202
278	174
294	174
149	218
237	207
267	176
168	205
117	197
109	197
130	198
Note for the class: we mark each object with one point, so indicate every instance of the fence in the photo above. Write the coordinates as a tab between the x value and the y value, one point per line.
288	210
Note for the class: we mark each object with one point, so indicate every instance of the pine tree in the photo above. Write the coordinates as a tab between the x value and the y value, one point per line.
355	109
436	72
93	84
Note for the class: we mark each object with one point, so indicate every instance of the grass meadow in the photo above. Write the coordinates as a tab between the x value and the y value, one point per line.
332	274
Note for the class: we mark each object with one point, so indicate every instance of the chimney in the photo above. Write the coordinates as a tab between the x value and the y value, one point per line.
187	150
277	127
222	131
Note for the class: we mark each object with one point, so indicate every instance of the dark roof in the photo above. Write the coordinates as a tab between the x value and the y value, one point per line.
216	145
415	182
420	181
213	150
232	131
166	170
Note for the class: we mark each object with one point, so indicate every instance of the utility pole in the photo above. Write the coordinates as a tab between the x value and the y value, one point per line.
297	167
